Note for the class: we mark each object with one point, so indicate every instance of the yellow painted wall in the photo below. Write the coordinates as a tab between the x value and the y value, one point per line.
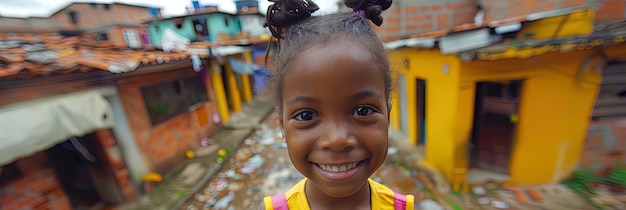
442	87
555	107
394	114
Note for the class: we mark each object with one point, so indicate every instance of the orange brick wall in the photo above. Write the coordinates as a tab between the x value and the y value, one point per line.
91	16
500	10
107	142
611	10
164	144
37	188
410	17
596	153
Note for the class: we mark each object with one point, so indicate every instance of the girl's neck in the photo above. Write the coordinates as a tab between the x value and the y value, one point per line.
320	200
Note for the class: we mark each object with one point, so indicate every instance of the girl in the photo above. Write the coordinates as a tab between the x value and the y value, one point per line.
332	82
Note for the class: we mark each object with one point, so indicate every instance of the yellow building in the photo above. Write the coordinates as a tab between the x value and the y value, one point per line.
516	111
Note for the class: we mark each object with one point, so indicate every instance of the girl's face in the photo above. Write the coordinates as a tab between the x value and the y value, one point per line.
334	117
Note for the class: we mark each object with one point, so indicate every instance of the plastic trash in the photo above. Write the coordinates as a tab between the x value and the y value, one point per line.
429	204
499	204
223	202
484	201
479	190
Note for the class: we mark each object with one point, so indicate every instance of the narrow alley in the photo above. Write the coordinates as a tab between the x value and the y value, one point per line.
261	166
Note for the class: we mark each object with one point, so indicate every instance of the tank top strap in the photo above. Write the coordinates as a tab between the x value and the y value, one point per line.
277	202
402	202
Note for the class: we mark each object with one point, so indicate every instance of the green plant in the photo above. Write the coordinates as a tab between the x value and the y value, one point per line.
617	176
582	183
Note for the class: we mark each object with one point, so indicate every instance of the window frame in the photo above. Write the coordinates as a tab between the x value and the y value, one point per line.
190	92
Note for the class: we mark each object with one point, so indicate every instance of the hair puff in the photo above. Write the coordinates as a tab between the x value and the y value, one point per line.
284	13
371	8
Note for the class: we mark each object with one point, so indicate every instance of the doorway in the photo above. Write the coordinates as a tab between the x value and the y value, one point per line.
83	173
73	172
495	120
420	97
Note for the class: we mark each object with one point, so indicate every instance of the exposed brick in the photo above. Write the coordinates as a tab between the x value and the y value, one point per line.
392	20
396	11
427	26
61	204
32	162
27	202
436	8
411	9
41	204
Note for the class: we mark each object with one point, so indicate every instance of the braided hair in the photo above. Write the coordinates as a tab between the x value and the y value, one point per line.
292	23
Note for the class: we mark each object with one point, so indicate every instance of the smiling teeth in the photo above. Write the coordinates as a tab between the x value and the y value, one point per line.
338	168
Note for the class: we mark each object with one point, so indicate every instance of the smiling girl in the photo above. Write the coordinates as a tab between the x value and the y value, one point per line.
332	82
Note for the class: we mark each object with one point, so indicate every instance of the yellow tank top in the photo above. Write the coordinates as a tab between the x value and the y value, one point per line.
381	197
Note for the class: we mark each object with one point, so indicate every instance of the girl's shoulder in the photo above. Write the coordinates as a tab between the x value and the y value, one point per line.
294	197
385	198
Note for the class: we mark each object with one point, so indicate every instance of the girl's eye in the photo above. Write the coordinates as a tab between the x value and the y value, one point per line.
305	116
363	111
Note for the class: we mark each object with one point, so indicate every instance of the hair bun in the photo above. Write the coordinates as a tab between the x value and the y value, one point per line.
284	13
371	8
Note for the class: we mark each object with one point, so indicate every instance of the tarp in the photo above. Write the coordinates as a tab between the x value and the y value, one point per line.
35	126
241	67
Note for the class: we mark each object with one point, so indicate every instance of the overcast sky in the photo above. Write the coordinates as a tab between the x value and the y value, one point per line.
43	8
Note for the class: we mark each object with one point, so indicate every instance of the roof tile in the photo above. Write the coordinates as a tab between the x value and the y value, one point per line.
27	56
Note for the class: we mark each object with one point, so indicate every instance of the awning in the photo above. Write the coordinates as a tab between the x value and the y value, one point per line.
38	125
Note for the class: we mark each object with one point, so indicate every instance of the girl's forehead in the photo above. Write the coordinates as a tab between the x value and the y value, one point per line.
333	66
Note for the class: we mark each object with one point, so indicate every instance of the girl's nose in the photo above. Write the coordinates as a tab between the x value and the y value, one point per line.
338	138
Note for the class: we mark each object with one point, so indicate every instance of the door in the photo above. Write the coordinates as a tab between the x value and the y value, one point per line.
420	97
495	119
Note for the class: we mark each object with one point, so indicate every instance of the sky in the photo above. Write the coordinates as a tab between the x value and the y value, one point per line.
43	8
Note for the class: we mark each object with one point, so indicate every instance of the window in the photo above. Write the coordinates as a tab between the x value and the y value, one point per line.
178	22
131	37
101	37
106	6
73	17
196	90
166	100
226	22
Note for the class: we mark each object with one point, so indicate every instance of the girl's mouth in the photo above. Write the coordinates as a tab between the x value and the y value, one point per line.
339	172
340	168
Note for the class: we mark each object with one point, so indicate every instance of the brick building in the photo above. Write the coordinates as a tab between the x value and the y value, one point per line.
117	22
83	120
